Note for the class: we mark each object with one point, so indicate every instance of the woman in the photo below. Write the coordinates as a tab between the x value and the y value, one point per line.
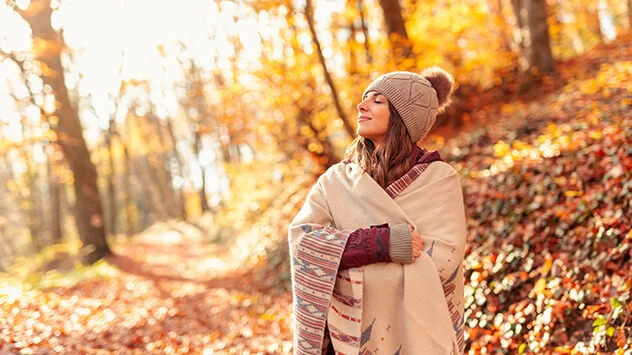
377	247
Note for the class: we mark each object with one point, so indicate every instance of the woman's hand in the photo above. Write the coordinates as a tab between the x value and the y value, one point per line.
418	243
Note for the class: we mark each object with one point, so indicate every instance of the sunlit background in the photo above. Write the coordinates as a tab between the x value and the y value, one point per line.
185	135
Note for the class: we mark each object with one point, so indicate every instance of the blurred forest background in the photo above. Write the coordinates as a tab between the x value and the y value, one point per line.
152	154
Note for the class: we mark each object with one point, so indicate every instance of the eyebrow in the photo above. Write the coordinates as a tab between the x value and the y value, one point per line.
372	93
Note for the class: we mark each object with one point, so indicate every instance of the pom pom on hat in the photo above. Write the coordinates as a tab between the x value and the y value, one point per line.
417	98
442	82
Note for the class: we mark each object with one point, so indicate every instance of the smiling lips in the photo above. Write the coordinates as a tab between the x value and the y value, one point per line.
363	118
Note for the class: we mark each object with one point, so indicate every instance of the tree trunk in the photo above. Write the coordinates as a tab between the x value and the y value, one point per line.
166	181
181	169
352	68
309	14
396	28
163	175
163	180
69	131
365	32
197	146
521	20
199	101
147	172
629	15
536	55
153	190
9	209
34	216
130	219
539	52
6	246
113	211
327	157
55	202
32	199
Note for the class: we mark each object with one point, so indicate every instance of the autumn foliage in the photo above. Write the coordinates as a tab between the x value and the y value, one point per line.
547	187
178	185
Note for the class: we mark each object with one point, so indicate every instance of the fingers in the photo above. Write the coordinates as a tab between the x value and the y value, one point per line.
418	241
418	245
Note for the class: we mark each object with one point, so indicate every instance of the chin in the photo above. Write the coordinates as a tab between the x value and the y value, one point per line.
367	135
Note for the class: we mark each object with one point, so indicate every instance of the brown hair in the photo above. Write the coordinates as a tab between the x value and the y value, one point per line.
390	161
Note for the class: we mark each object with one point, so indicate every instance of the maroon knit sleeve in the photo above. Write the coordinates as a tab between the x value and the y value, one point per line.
367	246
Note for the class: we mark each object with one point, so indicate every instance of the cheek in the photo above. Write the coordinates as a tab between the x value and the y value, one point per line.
385	118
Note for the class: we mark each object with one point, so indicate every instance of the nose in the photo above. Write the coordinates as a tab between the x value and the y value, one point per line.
361	107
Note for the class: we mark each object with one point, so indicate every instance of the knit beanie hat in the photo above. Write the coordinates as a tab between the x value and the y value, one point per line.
417	98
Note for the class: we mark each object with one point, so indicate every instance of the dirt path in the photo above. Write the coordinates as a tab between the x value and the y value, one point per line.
168	295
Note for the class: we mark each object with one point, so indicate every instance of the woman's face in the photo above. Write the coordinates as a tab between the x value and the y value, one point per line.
373	116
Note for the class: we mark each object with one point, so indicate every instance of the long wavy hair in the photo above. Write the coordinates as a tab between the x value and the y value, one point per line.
390	160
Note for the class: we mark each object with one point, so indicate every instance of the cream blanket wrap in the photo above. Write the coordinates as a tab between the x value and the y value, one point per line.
392	308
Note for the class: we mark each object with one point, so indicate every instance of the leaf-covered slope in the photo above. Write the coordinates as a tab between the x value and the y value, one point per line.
548	197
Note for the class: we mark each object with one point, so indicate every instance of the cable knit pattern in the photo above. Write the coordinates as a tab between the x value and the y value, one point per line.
366	246
413	97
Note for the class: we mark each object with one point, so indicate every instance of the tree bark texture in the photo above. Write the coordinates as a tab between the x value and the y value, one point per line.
304	117
539	54
352	67
112	211
180	166
365	32
130	217
70	133
163	171
629	14
197	145
32	199
199	101
517	6
531	17
55	188
396	28
309	14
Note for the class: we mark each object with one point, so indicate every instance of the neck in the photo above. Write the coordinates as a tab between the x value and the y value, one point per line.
377	143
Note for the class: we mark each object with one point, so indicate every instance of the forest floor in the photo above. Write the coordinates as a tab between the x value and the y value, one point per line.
163	293
547	184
